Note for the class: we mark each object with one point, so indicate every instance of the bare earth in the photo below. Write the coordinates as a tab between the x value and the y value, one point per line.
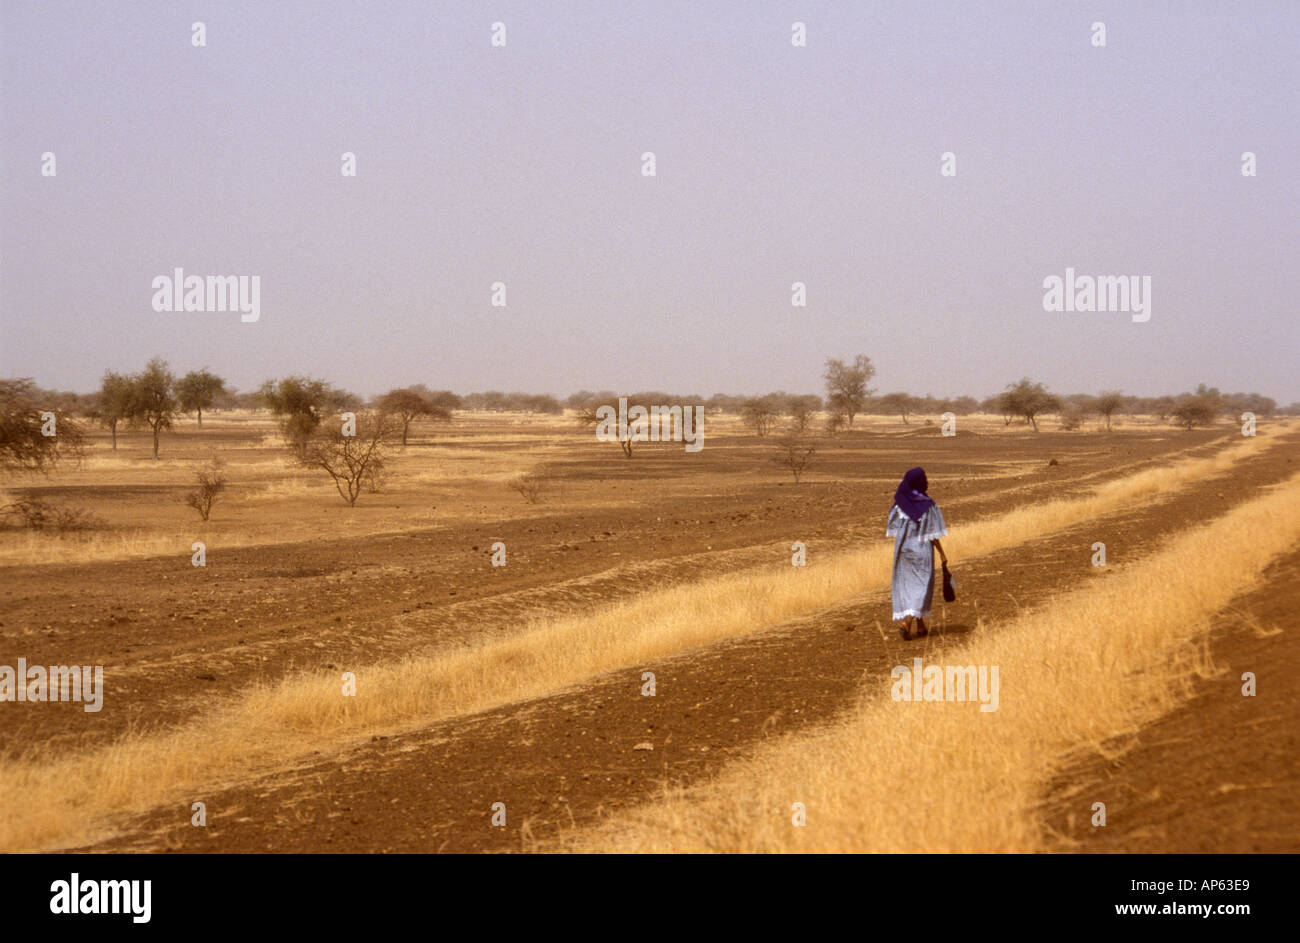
173	638
1222	773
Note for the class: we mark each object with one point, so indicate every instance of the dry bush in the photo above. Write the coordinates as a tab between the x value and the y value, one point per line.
1195	411
212	481
28	513
801	417
352	461
1073	418
759	415
530	486
795	456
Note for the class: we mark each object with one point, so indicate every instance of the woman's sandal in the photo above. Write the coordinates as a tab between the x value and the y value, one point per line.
905	630
921	630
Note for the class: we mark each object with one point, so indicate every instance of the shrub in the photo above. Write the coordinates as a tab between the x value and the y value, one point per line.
34	514
530	486
795	456
212	481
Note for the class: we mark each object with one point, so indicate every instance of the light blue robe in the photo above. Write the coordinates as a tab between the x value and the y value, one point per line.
913	583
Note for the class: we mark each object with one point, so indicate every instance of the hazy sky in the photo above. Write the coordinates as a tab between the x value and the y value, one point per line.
774	164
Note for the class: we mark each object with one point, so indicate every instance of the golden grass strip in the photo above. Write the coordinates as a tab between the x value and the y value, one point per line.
48	804
937	776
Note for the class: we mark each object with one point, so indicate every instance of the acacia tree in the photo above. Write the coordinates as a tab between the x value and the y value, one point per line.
1107	404
198	390
846	386
801	416
759	414
1027	400
1162	407
301	403
25	444
112	402
153	399
1191	413
1198	408
409	404
900	403
1256	403
997	404
589	415
1210	396
351	460
445	399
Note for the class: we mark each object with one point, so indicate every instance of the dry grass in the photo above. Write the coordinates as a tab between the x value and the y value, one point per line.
289	486
907	776
282	511
271	499
29	548
439	464
50	803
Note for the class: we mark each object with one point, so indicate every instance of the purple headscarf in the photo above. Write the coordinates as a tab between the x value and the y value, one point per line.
911	497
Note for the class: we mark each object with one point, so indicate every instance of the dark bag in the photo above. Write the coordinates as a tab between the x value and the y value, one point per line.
949	594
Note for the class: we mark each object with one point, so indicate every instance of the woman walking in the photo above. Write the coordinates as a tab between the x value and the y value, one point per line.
916	525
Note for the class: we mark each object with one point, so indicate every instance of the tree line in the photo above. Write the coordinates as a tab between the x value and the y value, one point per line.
848	395
155	397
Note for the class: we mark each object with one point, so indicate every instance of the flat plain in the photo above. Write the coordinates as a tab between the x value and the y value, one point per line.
487	692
